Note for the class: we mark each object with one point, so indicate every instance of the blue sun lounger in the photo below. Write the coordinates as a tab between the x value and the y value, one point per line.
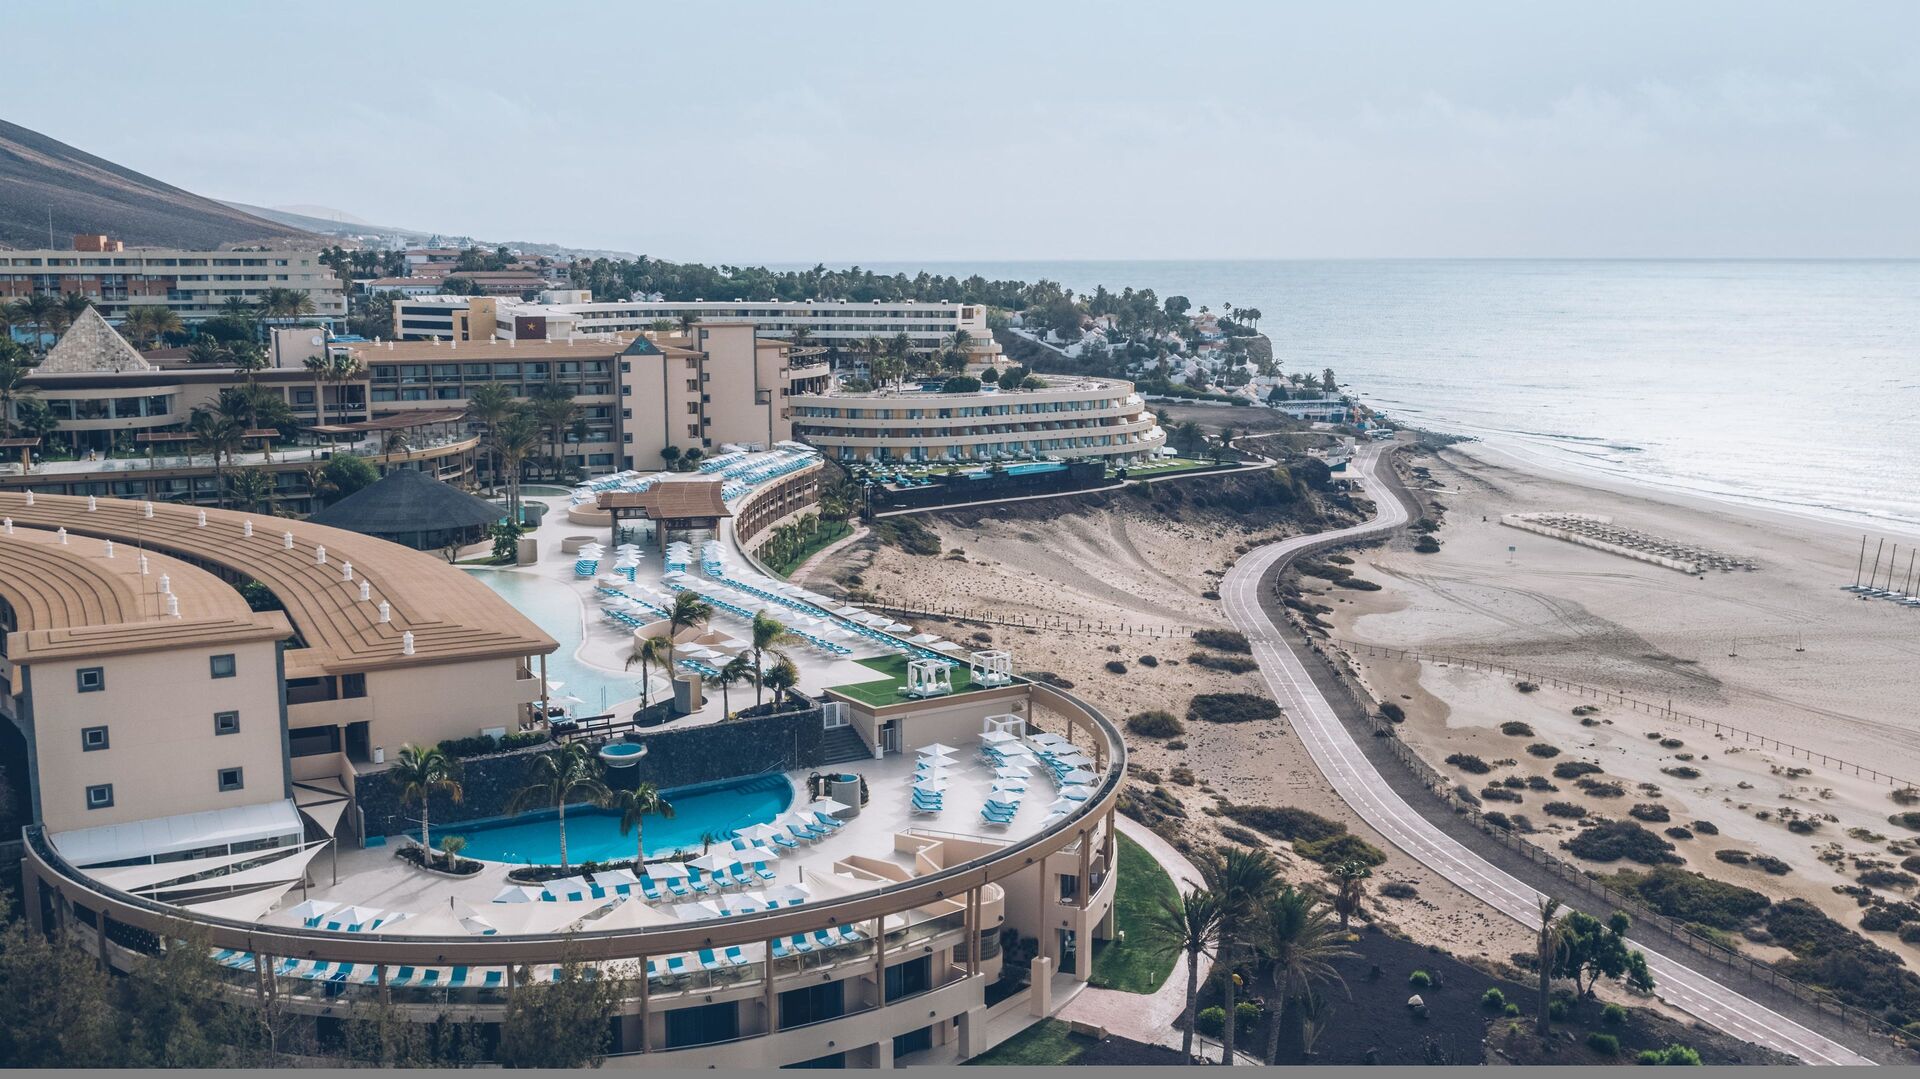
676	886
760	870
649	889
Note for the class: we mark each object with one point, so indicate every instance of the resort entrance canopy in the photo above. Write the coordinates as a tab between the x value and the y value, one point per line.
684	506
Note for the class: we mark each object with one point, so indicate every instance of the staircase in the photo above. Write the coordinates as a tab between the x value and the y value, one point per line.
843	745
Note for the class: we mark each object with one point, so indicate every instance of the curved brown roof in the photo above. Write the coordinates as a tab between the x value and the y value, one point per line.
451	615
72	600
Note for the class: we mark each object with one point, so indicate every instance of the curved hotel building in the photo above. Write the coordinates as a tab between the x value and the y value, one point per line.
1069	417
201	769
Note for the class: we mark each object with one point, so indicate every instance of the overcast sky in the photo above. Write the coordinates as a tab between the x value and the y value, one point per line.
982	130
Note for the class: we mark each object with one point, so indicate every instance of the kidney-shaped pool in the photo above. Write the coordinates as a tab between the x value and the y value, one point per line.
593	834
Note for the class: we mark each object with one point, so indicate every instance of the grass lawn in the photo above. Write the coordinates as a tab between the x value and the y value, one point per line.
828	533
1172	464
1130	965
887	690
1047	1042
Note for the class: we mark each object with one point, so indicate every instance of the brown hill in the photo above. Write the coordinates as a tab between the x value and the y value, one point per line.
87	194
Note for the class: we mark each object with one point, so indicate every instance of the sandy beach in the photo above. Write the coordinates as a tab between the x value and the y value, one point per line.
1780	652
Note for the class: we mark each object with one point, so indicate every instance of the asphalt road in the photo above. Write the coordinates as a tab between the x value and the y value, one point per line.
1356	780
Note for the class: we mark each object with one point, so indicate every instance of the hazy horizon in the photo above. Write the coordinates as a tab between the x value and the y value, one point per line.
861	132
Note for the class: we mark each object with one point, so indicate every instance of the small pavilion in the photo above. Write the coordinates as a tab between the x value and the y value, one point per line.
677	507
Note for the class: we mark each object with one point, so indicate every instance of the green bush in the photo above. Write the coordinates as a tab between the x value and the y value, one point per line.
1613	1015
1569	810
1575	769
1604	1044
1212	1021
1223	640
1155	723
1543	750
1651	812
1682	771
1246	1016
1906	820
1887	878
1420	979
1284	822
1493	1000
1115	666
1426	545
1516	729
1229	664
1231	708
1610	841
1393	712
1469	764
1558	1010
1339	850
1680	1055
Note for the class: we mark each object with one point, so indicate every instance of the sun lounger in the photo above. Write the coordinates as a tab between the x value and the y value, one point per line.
494	979
821	820
784	842
676	964
341	973
430	977
403	976
741	875
457	978
736	957
760	870
649	889
823	940
780	949
807	832
851	935
677	887
709	961
800	944
699	886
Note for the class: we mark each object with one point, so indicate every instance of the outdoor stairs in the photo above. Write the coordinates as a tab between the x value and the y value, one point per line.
843	745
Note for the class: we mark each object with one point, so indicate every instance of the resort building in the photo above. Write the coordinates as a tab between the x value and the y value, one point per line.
886	870
832	324
638	394
1069	417
124	422
193	284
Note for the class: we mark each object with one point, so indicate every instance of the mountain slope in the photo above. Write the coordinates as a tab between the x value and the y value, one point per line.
87	194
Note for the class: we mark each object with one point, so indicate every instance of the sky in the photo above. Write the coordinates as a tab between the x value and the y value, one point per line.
794	132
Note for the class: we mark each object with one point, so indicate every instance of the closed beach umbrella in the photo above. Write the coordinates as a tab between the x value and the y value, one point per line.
1077	776
828	806
938	748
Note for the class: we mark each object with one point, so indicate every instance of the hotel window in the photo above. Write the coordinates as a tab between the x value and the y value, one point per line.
100	796
226	723
92	679
222	665
231	779
92	738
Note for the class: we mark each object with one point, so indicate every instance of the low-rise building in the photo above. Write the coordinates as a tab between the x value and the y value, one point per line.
194	285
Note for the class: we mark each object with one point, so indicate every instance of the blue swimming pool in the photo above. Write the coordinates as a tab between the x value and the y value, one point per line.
718	809
1025	468
555	608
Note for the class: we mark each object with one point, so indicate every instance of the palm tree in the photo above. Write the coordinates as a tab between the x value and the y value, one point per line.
782	677
1352	877
733	672
1547	945
768	634
555	408
515	440
489	406
553	778
1191	924
146	324
689	610
36	420
420	771
635	806
14	387
286	303
1300	945
72	306
1243	879
649	653
221	434
36	311
687	319
251	490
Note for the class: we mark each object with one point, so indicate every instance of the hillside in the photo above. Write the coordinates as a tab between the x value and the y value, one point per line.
88	194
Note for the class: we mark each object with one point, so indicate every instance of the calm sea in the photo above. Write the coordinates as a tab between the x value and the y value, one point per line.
1792	384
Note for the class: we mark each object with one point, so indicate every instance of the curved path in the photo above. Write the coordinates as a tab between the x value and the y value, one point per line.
1357	782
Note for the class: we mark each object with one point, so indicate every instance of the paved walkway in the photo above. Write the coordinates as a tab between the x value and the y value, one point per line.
1361	786
1142	1017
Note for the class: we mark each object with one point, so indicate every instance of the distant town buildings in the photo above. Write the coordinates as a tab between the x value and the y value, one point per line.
194	285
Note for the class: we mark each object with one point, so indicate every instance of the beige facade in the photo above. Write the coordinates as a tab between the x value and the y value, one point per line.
717	385
193	284
1068	417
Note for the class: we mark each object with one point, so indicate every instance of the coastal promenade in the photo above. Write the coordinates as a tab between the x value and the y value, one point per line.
1370	794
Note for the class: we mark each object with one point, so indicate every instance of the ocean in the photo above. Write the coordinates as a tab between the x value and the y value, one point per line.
1793	385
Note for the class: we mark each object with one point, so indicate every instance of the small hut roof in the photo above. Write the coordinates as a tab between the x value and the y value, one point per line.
406	501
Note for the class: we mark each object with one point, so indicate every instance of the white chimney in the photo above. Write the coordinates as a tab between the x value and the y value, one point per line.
320	554
346	571
202	520
173	605
109	548
366	591
29	498
386	611
246	528
406	643
9	526
166	585
92	503
286	540
146	509
62	533
143	565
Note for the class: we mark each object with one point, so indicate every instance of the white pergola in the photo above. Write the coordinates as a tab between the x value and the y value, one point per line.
928	678
1005	723
992	667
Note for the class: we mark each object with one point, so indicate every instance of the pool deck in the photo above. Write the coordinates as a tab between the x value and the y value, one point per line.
377	878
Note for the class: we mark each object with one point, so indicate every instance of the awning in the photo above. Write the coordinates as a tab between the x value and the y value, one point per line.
248	907
289	870
129	878
326	815
188	831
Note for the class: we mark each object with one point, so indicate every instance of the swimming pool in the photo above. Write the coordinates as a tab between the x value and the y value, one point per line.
555	608
593	835
1025	468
